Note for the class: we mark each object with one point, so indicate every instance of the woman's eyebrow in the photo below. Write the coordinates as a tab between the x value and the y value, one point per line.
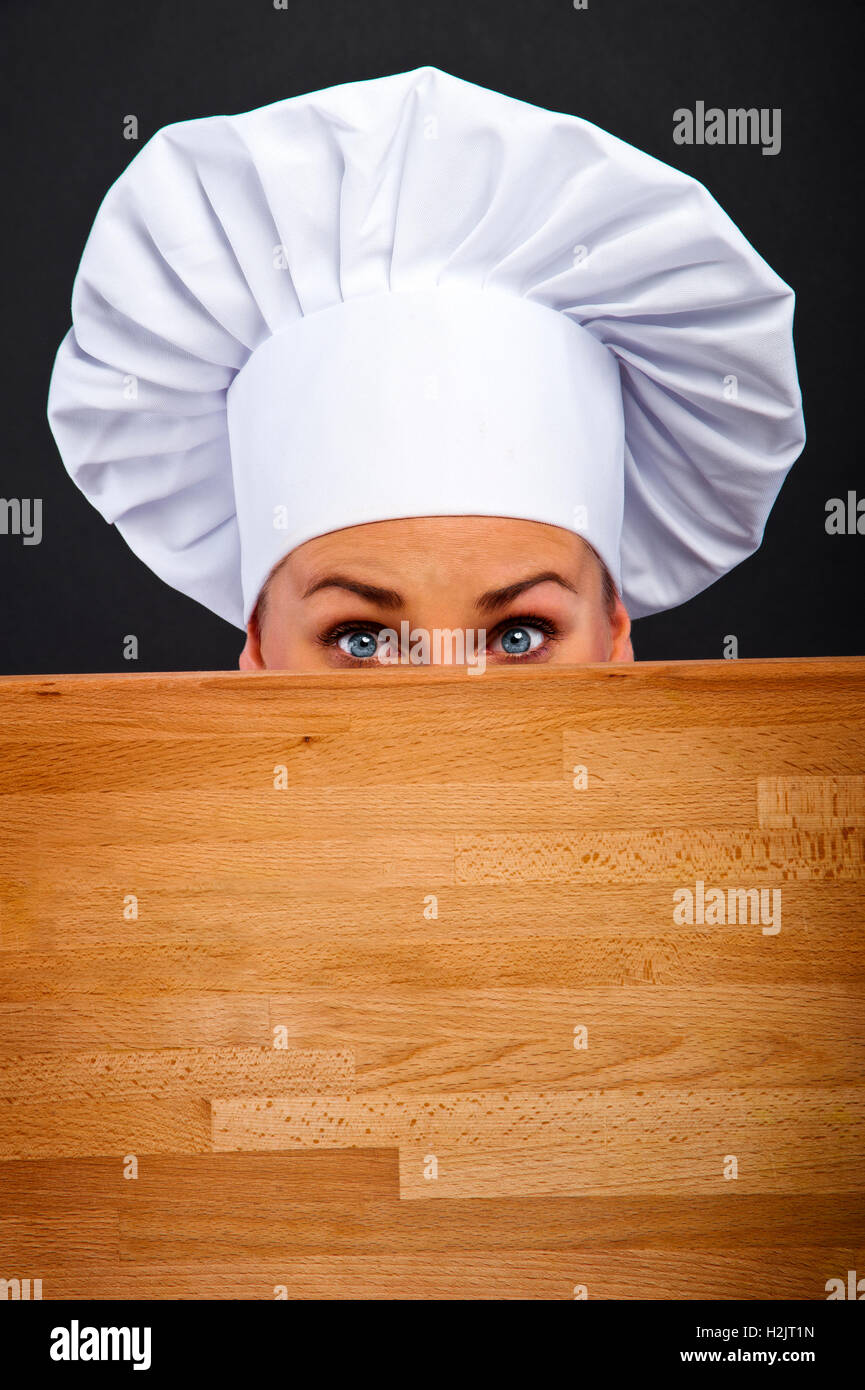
495	598
387	598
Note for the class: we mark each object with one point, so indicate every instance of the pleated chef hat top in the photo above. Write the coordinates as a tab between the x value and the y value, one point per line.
413	296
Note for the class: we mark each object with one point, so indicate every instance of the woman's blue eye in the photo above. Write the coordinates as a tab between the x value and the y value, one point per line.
517	640
359	644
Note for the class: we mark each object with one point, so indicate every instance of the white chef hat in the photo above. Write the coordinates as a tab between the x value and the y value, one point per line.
412	296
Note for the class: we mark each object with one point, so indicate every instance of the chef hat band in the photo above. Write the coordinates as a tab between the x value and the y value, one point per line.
412	296
514	410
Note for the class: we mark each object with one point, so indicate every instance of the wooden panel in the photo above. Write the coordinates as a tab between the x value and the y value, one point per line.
791	802
575	1142
351	986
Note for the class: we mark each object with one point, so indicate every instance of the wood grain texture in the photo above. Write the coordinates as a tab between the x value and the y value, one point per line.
405	1012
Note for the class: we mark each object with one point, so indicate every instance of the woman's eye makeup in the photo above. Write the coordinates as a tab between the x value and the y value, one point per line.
524	638
355	642
359	644
527	637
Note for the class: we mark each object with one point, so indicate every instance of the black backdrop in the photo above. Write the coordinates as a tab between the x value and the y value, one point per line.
72	71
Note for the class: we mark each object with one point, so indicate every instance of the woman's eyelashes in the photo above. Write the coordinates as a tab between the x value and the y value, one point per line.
361	645
358	643
527	638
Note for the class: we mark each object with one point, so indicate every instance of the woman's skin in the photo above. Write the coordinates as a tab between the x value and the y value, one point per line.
438	572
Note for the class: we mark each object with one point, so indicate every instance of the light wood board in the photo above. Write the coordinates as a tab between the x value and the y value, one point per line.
338	1038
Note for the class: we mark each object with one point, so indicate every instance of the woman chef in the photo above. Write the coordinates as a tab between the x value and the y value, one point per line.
408	354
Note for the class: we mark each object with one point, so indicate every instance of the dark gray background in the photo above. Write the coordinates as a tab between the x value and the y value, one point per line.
71	72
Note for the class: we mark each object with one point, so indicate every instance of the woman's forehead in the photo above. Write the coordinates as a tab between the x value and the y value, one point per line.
435	551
